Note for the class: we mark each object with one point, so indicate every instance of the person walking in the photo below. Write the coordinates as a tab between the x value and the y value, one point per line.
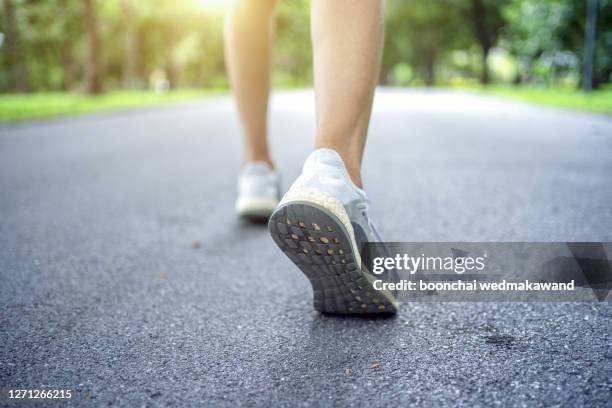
322	222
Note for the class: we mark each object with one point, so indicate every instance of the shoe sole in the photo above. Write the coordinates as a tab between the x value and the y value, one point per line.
317	241
256	210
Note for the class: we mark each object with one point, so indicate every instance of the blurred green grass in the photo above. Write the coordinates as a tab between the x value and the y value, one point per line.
21	107
597	101
16	108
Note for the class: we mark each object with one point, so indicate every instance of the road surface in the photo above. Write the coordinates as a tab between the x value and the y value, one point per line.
125	276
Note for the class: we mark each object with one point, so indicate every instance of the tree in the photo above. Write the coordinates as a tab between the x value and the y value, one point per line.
571	35
130	50
487	21
15	50
551	33
94	71
531	31
70	28
420	33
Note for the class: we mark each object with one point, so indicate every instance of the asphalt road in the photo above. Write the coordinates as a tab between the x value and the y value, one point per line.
125	276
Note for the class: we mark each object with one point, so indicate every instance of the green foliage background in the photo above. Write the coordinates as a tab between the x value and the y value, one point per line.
434	42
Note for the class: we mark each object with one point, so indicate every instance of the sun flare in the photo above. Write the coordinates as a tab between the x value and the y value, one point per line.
215	5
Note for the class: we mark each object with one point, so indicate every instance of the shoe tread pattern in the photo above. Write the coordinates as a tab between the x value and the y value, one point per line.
317	242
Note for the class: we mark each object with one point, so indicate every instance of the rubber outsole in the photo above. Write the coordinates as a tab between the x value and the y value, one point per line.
256	210
257	217
318	243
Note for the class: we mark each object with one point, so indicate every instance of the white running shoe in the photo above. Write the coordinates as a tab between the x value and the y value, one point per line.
258	191
322	225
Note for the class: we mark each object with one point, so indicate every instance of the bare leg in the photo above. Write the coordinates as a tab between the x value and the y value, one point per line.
347	39
249	33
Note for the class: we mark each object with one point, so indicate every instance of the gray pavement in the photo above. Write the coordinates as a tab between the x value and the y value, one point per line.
125	276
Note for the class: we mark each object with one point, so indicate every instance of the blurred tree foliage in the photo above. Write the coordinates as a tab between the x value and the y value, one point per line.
92	45
486	20
414	35
570	33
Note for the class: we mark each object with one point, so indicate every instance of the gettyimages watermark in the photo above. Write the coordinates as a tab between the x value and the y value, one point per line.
485	271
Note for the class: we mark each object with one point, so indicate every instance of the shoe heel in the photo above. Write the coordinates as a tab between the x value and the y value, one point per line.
314	238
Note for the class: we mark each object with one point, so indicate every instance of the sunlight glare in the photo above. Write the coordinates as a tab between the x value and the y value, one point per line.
215	5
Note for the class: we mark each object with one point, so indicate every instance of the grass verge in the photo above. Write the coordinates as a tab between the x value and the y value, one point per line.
597	101
15	108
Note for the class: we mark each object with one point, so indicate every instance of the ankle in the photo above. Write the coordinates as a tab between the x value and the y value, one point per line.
354	174
252	157
352	163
